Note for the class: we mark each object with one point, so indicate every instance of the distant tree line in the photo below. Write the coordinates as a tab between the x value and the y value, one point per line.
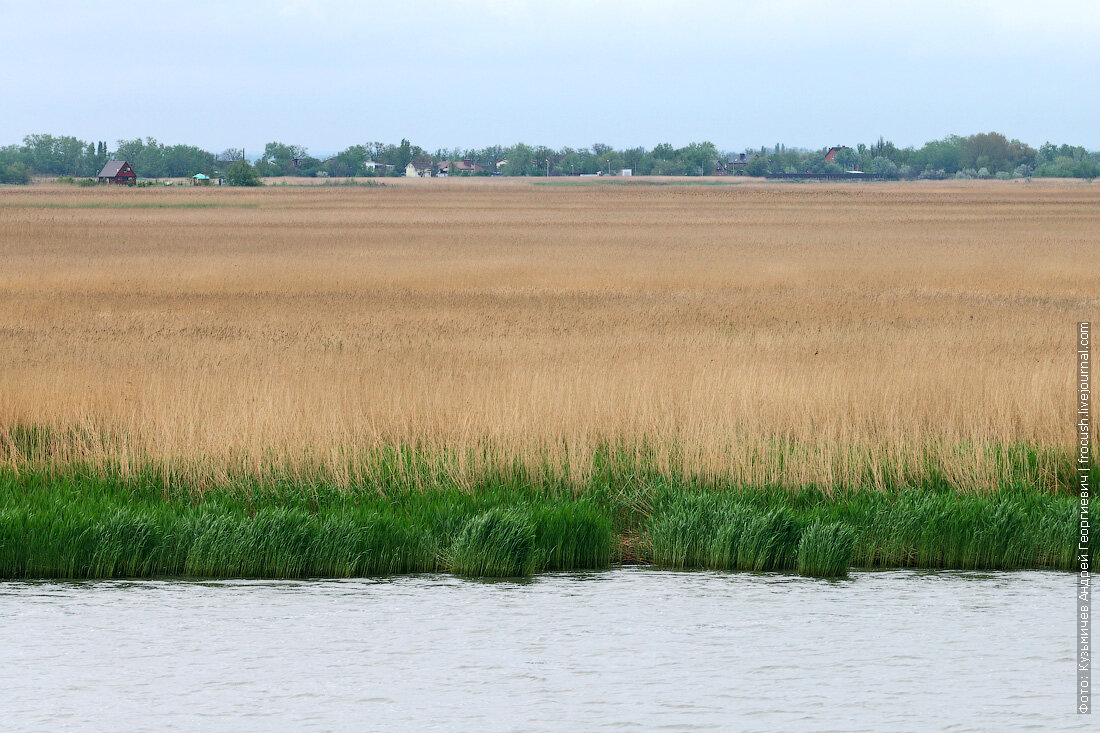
383	159
70	156
984	155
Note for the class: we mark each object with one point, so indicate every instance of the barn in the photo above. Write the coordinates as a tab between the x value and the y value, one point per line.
117	171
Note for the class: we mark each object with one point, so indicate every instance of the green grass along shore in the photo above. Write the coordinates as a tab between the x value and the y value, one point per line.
76	523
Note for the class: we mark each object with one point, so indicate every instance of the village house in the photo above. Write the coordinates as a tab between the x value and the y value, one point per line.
117	171
419	170
465	167
735	164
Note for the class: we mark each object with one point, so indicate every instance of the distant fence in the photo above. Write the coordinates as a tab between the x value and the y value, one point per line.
830	176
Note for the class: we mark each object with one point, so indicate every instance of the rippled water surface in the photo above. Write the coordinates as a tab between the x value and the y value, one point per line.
632	649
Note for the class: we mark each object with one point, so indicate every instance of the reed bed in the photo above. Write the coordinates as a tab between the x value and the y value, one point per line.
80	526
764	335
824	536
74	524
510	378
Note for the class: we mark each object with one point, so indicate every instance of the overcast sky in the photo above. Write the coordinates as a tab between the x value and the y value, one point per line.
470	73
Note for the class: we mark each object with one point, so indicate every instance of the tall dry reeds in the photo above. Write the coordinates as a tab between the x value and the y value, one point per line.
828	335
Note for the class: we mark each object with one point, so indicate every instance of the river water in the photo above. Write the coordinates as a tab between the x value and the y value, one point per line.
634	649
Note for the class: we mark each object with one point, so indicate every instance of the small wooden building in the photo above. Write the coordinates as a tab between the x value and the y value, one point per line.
117	171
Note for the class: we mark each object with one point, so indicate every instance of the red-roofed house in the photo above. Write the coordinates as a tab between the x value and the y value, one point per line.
117	171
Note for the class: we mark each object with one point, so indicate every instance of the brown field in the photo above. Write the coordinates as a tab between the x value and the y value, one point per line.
775	334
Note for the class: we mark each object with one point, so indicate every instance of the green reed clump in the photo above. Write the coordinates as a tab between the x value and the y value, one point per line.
946	530
729	537
94	540
126	542
720	532
74	524
499	543
825	550
769	542
1056	537
763	530
86	540
682	535
573	535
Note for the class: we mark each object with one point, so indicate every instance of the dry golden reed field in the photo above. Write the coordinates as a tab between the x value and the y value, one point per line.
785	335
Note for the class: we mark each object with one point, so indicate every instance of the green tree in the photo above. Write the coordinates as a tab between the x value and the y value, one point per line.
994	151
847	159
403	156
814	163
14	173
241	173
699	158
758	166
611	162
944	155
63	155
278	159
1087	169
521	161
664	151
184	161
348	162
883	166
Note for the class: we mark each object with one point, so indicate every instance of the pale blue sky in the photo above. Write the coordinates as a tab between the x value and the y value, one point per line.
469	73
